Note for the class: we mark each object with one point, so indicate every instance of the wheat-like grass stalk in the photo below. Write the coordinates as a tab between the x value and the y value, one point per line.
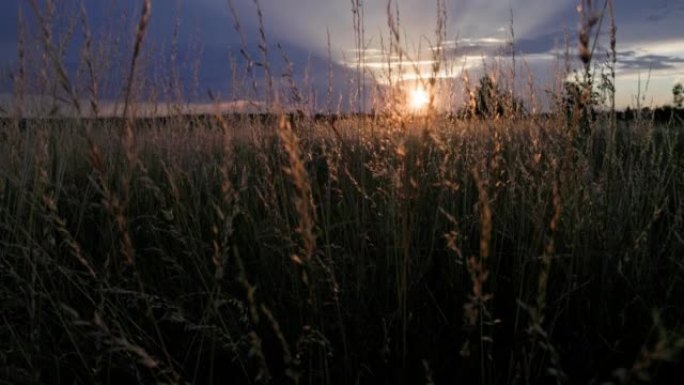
53	54
90	65
141	31
475	310
20	77
61	226
50	209
115	204
304	204
256	344
229	198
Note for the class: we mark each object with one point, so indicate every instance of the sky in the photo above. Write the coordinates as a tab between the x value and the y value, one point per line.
306	38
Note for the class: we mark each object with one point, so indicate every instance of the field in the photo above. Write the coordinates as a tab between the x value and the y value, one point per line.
385	248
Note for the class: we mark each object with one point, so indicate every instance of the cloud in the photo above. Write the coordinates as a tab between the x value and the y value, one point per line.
664	12
656	62
649	34
307	22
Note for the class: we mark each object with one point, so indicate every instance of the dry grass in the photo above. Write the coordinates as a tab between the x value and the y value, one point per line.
365	249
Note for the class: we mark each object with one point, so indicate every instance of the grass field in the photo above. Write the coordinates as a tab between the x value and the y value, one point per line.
367	249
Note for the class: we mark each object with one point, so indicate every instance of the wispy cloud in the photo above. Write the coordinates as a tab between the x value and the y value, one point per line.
656	62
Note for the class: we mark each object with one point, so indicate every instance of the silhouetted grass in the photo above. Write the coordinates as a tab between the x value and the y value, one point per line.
384	248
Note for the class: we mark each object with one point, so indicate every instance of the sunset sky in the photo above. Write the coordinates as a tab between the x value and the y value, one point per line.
650	37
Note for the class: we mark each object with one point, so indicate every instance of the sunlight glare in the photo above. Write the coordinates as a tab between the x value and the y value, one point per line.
418	98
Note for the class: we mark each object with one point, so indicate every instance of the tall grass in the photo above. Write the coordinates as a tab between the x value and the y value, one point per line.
389	248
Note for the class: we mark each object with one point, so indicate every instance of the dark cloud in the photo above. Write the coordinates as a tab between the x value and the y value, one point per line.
207	36
548	43
633	61
544	43
473	49
663	11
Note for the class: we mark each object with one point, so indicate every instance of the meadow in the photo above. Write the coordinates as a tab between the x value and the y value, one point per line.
496	247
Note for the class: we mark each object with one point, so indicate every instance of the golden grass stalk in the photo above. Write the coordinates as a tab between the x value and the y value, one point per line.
116	206
475	309
119	342
289	360
304	204
256	347
60	225
229	199
141	31
52	54
111	203
51	210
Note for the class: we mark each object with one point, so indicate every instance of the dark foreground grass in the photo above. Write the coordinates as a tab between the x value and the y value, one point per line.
509	251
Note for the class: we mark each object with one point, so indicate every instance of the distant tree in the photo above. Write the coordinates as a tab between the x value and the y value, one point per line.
490	101
572	97
663	114
487	98
579	102
578	95
678	95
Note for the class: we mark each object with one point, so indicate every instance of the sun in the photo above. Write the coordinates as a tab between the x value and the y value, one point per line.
418	98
